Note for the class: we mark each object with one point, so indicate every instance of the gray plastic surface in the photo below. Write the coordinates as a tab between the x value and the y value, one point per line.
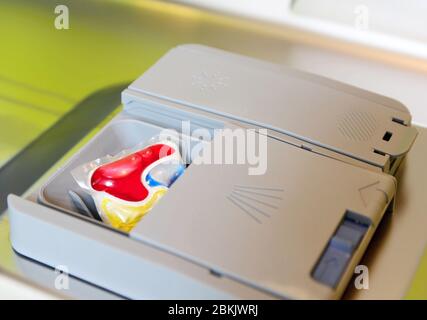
267	231
110	259
337	117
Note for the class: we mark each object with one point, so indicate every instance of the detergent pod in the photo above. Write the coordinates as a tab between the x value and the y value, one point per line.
126	186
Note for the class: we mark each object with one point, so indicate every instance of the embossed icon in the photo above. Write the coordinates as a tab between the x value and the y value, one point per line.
357	126
256	202
209	81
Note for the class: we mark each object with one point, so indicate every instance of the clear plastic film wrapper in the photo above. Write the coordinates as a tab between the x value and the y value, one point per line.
126	186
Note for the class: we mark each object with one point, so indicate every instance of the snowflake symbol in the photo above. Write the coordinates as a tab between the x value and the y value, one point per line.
209	81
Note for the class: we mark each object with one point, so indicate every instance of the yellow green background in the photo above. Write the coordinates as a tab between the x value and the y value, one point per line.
44	71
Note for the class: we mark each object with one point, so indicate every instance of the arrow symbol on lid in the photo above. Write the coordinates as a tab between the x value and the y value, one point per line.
366	191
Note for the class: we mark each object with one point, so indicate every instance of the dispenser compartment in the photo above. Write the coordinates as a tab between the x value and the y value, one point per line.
62	192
